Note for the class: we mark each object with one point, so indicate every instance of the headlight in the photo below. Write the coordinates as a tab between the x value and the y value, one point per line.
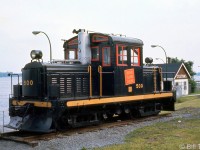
148	60
36	54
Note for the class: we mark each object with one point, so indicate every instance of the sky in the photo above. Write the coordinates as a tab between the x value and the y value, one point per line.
172	24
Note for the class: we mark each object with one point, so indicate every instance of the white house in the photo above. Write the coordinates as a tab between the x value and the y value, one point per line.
179	76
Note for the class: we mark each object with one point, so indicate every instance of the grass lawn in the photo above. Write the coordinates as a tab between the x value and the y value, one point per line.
188	101
175	134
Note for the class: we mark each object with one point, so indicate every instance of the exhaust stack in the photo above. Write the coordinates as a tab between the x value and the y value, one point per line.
84	50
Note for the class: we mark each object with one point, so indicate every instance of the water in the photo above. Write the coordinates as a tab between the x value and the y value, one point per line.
5	91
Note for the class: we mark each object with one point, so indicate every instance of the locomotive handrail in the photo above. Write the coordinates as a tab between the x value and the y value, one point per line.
100	72
101	84
11	75
107	72
65	61
90	72
161	78
168	72
154	79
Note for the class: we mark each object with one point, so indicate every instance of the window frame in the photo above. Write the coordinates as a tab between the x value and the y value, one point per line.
67	53
117	55
98	53
138	56
185	85
103	38
103	48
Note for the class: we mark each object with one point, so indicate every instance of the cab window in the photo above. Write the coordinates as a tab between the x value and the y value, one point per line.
135	56
106	60
71	54
95	53
121	52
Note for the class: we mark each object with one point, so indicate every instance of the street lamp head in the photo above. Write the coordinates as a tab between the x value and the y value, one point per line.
154	46
36	32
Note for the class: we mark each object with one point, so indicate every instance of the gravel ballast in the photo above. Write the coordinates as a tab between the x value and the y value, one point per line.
108	136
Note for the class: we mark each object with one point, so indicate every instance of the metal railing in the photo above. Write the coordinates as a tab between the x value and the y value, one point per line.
2	120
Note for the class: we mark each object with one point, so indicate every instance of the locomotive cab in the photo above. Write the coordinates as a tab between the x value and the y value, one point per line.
111	58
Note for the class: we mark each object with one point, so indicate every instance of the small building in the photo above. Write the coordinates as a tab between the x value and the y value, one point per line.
179	76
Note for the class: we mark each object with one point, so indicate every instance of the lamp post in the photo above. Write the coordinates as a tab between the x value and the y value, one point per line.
37	32
153	46
160	59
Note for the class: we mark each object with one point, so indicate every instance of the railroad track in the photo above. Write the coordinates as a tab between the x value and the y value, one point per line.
33	139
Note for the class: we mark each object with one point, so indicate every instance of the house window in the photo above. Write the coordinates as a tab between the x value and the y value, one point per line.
121	55
185	85
135	57
95	53
106	56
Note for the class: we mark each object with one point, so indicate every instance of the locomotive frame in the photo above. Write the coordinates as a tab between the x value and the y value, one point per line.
101	76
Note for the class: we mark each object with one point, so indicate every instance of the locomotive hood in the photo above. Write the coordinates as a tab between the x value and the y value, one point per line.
54	66
33	65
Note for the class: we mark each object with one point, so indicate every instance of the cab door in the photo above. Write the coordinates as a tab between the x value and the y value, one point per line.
102	71
107	74
95	63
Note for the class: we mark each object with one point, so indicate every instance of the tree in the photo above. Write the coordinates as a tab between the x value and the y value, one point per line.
188	65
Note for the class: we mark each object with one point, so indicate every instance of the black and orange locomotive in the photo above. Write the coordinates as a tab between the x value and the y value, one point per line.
101	76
